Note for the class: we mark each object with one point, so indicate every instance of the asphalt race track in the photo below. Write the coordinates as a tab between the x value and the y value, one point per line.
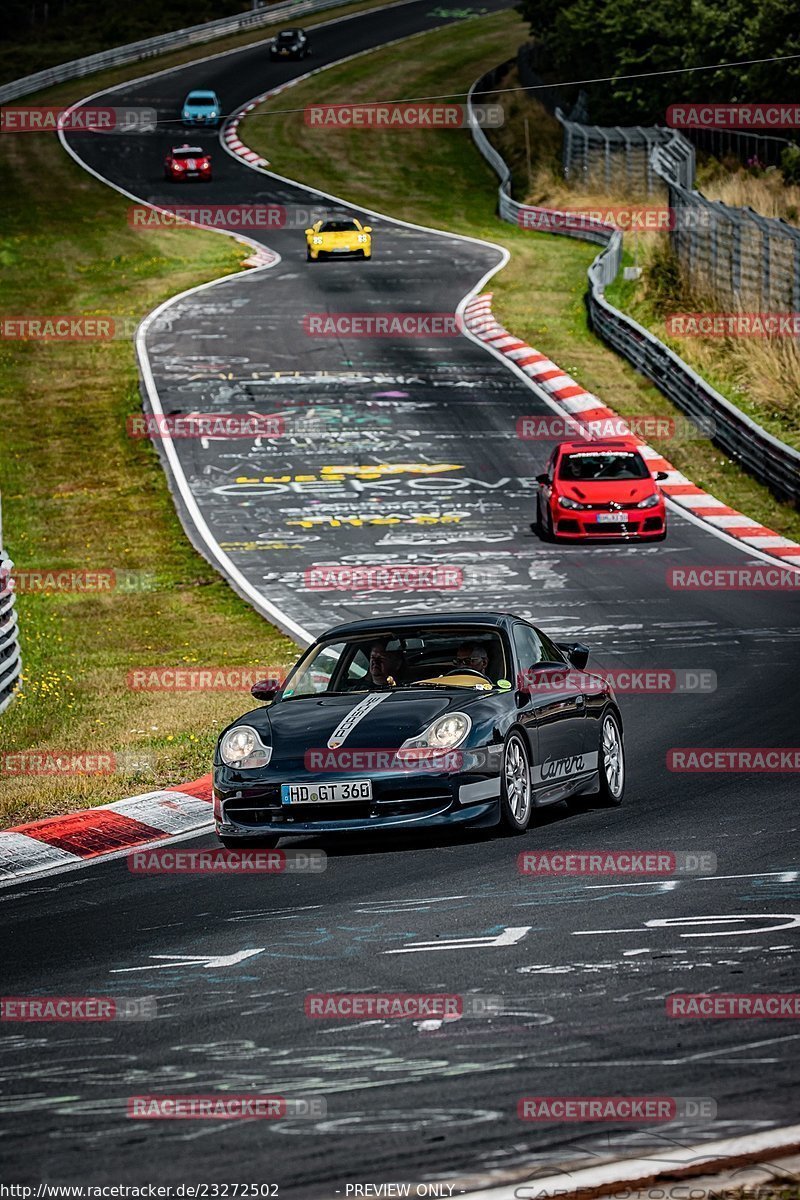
588	964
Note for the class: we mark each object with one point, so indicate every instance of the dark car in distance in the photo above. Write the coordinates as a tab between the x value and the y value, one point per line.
290	44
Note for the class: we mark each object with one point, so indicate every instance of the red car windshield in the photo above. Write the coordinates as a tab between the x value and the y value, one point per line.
602	467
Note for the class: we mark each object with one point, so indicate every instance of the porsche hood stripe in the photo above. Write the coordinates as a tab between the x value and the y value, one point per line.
357	714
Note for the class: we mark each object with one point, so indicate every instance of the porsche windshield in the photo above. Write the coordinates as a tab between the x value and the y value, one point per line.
338	227
464	657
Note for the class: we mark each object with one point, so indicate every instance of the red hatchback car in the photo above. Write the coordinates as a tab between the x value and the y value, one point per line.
187	162
600	489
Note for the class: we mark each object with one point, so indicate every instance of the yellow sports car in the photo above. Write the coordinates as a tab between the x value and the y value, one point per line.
341	237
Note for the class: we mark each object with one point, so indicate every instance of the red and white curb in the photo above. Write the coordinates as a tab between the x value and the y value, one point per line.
59	842
264	257
587	412
230	135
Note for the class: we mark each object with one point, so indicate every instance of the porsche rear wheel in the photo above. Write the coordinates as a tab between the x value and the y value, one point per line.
516	797
610	764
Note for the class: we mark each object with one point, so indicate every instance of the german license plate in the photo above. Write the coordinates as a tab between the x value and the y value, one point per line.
612	518
344	791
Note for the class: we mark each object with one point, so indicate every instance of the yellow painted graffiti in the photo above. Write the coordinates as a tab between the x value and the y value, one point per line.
370	471
355	520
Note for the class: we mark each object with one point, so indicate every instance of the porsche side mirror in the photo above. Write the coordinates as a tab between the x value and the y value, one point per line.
265	689
308	232
662	475
542	478
367	228
576	652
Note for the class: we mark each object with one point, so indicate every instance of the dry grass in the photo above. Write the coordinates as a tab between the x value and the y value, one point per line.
765	192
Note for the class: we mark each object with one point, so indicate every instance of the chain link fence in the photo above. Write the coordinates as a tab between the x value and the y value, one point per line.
610	156
734	255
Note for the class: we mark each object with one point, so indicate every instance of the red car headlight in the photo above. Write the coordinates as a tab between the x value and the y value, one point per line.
565	502
649	501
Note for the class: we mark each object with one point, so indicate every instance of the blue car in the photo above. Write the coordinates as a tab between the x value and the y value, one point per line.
201	108
471	719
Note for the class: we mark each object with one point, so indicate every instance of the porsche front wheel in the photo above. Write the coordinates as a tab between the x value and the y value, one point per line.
516	800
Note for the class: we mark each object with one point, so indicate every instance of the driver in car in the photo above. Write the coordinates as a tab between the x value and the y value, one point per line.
473	655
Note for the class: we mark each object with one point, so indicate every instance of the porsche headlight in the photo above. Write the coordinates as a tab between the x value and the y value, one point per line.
317	241
649	501
565	502
445	733
241	747
362	237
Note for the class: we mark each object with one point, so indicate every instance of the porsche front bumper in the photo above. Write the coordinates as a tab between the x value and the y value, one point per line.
401	799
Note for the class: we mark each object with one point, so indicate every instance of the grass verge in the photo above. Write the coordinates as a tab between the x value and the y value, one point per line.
437	178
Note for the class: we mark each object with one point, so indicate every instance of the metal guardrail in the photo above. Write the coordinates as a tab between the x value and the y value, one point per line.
769	460
192	35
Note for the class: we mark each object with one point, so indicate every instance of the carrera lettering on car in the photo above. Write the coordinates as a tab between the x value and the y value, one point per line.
354	717
562	768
